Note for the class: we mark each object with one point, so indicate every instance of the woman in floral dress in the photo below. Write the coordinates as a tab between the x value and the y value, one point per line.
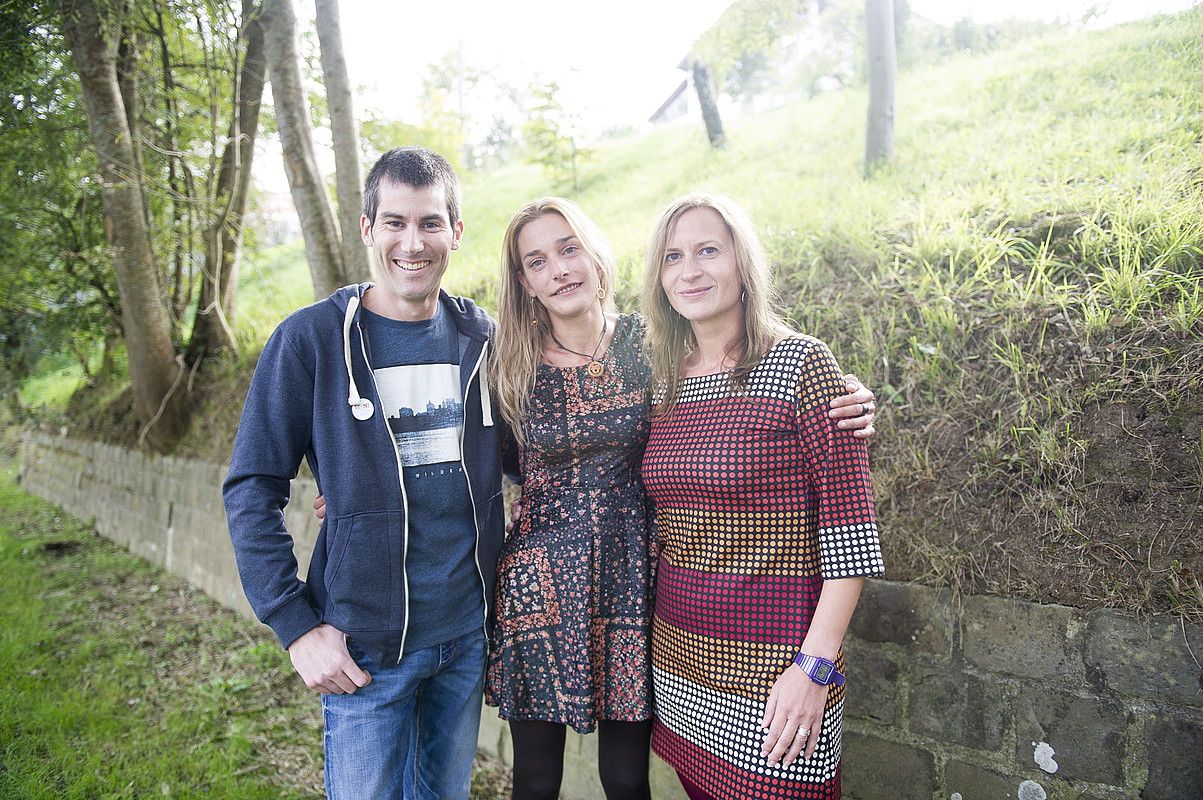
765	519
574	580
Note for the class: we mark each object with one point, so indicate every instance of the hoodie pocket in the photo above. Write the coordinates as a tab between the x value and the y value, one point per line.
364	582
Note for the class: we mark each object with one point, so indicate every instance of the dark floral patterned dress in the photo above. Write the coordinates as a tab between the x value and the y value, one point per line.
574	581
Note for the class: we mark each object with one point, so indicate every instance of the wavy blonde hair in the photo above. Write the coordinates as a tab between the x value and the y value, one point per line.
519	344
669	335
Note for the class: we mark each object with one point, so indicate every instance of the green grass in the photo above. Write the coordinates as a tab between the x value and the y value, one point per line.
120	681
52	384
270	280
1030	262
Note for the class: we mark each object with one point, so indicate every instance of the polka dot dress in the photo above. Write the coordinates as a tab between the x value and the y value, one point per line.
759	499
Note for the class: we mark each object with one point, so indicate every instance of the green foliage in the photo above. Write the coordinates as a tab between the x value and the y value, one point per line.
378	136
271	278
57	292
553	140
55	379
743	37
446	89
176	61
758	46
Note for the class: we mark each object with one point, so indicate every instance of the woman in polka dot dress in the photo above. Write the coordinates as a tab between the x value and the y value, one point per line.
765	517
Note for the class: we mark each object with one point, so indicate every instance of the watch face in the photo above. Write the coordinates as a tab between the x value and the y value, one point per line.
823	672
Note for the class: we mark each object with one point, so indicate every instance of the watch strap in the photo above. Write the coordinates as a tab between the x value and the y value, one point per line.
813	667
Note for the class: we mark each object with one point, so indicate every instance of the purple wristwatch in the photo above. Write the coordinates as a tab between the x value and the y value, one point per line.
819	670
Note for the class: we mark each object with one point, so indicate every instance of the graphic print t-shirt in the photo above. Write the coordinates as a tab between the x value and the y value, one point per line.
416	366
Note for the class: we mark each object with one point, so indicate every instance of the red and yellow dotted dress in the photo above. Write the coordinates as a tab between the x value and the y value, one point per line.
759	498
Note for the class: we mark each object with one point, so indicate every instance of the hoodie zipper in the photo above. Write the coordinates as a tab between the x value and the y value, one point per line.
468	479
404	497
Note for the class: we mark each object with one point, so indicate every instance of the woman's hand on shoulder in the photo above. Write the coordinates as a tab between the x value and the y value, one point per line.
857	410
793	717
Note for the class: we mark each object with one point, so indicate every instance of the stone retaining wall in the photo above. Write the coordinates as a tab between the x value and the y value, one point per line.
976	696
949	699
167	510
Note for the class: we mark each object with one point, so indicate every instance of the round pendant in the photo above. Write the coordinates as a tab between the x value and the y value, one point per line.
596	369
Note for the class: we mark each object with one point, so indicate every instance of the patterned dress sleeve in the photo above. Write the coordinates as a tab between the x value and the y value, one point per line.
848	541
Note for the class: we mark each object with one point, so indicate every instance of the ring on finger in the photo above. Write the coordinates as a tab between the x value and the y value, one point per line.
862	410
802	733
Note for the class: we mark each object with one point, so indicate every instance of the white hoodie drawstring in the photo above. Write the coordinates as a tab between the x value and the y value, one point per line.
361	407
486	402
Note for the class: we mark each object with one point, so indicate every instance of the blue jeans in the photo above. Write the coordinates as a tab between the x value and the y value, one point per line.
411	733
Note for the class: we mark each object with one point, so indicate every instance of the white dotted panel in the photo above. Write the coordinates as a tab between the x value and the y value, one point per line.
728	727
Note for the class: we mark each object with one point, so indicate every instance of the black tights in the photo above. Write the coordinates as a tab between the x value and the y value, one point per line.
622	756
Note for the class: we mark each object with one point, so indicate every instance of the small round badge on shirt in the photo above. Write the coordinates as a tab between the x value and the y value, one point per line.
362	409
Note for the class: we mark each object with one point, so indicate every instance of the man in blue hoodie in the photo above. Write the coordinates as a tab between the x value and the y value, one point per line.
383	389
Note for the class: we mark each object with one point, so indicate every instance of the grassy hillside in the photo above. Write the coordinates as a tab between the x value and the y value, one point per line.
1024	285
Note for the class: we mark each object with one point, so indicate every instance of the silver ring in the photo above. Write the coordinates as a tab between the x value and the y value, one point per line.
802	733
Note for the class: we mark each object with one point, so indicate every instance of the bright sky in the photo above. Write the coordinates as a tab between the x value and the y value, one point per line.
617	57
615	60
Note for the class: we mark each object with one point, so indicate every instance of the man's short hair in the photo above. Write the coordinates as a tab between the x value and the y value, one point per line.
416	167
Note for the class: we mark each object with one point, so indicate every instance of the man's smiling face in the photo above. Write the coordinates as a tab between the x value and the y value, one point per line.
411	241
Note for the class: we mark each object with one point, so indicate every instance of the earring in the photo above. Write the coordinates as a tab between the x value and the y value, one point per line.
534	321
743	295
601	292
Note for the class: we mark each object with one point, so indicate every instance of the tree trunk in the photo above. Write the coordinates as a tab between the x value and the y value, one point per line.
706	100
153	371
128	48
213	329
879	141
322	247
168	144
348	181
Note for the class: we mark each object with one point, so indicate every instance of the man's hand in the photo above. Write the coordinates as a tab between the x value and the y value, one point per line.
856	410
319	507
320	657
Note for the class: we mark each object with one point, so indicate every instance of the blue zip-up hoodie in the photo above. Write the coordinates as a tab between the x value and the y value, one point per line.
312	375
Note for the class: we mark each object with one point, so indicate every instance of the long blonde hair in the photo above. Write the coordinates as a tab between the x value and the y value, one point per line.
669	336
519	343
